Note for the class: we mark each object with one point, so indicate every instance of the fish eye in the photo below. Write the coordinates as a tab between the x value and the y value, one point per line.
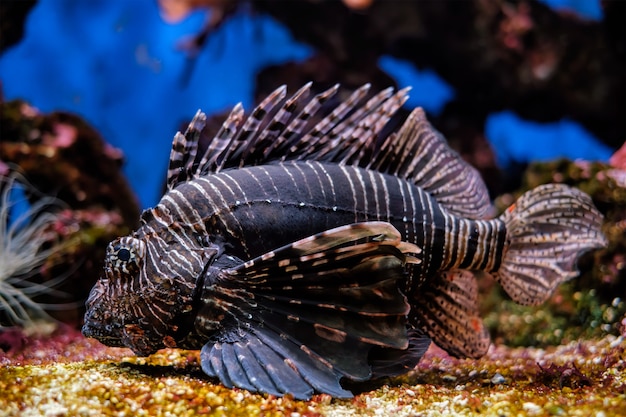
123	254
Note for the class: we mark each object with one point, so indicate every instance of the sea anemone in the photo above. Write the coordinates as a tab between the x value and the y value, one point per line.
26	242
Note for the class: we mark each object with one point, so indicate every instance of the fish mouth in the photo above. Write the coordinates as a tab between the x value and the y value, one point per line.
130	336
104	334
140	341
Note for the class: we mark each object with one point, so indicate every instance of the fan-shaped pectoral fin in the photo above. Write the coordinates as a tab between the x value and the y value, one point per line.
306	315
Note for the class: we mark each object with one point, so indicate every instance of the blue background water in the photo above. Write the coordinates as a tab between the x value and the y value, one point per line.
116	63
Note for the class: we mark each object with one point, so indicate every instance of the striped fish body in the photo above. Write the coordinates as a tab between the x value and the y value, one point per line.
296	251
255	210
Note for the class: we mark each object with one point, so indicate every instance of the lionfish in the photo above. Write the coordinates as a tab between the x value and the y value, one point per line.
302	249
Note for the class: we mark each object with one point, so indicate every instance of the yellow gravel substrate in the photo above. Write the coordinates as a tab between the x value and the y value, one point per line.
580	379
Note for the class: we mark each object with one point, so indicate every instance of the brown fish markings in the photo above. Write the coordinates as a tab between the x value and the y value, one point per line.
295	253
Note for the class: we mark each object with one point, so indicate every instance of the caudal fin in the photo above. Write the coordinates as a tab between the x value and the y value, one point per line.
548	228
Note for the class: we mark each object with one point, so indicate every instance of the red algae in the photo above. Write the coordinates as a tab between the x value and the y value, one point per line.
65	374
64	344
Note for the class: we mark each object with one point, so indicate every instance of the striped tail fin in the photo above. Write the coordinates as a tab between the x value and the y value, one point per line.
547	229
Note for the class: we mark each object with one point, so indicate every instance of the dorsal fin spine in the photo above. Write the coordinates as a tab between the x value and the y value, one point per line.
192	136
319	136
176	160
221	140
367	130
251	125
360	113
347	135
297	125
278	123
183	153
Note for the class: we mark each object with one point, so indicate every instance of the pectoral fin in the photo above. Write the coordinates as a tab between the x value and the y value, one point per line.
311	311
388	362
244	361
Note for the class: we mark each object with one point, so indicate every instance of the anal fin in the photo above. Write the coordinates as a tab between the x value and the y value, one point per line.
447	310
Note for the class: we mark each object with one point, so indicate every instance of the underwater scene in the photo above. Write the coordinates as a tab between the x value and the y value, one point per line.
305	208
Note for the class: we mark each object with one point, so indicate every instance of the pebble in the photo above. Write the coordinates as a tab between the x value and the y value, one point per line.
498	379
531	408
449	378
617	342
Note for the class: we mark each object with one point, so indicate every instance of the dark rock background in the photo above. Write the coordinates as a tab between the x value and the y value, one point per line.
513	85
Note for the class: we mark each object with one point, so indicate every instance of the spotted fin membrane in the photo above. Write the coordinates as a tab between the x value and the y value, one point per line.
306	315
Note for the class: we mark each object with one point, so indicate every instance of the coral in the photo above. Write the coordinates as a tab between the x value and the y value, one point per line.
63	156
540	63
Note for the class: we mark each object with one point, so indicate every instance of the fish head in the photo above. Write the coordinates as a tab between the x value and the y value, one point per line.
148	294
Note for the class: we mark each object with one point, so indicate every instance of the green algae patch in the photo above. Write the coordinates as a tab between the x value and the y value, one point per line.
578	379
